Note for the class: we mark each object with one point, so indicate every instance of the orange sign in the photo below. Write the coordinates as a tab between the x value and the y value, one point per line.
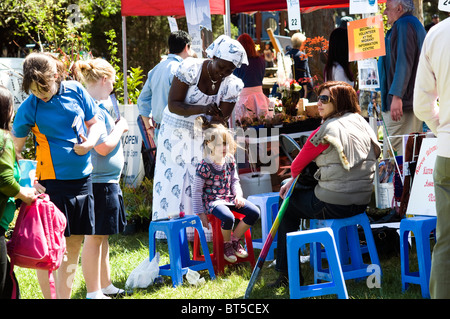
366	38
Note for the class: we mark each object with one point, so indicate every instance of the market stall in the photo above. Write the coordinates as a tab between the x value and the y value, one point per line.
288	114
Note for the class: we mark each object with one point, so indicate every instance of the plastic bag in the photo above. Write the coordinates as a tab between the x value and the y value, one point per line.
144	274
193	277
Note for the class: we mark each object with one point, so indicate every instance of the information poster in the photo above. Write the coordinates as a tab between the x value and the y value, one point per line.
363	6
366	38
422	200
368	74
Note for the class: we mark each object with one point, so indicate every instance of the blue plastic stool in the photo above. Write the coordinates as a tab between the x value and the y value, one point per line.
345	231
422	227
336	284
180	262
268	206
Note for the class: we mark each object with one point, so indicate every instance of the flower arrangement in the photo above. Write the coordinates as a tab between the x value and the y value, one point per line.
290	94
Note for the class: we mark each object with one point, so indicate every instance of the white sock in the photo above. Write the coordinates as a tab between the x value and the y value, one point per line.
111	289
95	295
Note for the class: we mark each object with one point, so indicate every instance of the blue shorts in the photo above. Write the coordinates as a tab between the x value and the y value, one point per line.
74	198
110	217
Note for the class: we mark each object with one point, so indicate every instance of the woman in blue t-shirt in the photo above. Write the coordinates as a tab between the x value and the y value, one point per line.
63	159
98	76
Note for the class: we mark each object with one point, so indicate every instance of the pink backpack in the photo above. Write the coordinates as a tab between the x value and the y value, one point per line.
38	240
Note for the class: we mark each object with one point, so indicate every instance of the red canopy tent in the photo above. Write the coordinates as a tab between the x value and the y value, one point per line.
176	7
223	7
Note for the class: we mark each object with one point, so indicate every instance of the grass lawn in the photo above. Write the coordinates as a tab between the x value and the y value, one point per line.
127	252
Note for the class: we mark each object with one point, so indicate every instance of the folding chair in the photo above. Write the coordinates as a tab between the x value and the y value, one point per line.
289	146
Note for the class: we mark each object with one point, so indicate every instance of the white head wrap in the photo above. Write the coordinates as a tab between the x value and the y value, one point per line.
228	49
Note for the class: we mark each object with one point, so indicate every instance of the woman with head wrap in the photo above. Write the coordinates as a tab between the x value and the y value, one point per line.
200	87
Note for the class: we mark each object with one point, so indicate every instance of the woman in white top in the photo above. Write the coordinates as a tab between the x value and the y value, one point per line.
199	87
338	67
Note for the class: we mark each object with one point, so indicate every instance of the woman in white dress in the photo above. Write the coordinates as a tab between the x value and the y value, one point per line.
199	87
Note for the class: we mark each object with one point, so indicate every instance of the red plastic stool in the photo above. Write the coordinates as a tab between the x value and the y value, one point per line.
217	258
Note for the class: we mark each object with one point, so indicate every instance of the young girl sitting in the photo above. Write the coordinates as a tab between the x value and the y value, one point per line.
216	190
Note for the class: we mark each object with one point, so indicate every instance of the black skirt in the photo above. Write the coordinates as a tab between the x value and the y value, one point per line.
75	199
110	217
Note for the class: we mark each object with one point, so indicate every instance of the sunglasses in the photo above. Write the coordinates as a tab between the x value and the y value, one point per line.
324	99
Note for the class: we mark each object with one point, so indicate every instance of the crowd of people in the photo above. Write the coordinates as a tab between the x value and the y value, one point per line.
188	102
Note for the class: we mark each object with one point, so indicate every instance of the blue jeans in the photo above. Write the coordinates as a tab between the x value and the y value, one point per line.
225	214
303	204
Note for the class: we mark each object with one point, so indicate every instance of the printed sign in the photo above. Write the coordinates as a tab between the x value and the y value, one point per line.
133	169
422	200
366	38
363	6
293	7
368	74
173	24
444	5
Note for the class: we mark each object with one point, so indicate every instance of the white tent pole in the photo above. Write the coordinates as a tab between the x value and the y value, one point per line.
226	19
124	57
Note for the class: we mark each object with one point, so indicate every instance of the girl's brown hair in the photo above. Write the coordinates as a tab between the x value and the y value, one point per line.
343	96
6	105
39	67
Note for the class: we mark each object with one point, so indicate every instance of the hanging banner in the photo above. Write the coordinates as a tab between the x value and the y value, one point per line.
366	38
363	6
198	19
293	8
422	200
133	169
444	5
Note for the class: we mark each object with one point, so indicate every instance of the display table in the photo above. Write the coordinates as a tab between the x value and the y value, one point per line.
260	146
267	84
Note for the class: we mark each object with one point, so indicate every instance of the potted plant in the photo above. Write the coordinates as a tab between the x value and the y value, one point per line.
138	205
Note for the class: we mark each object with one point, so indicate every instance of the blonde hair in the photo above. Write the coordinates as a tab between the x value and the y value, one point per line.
297	40
93	70
218	134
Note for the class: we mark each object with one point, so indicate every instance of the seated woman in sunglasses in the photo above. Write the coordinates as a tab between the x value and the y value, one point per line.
345	149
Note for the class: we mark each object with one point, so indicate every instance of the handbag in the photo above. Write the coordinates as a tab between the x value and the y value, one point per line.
38	240
306	179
